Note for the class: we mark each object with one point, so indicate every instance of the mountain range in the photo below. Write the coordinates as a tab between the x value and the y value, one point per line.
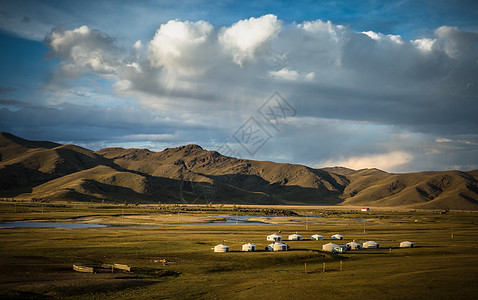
48	171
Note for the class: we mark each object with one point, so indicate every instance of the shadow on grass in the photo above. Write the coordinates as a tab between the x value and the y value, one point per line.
152	273
115	285
14	295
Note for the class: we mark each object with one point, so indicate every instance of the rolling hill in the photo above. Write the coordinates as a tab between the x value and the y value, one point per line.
191	174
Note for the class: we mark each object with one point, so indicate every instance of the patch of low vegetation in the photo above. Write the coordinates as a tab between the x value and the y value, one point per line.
177	262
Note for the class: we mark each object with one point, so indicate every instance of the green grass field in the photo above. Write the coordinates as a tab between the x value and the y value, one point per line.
36	263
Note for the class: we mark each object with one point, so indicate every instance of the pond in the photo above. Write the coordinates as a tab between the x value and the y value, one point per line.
229	220
239	220
48	225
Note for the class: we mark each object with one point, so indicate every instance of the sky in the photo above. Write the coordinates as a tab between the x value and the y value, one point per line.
361	84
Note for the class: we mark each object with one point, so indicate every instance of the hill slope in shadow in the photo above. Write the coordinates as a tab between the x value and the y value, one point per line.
191	174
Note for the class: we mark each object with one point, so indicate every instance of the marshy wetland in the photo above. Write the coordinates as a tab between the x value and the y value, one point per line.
177	262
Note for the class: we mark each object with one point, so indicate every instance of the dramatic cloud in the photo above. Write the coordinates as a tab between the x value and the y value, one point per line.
83	50
182	46
247	37
457	44
94	126
363	98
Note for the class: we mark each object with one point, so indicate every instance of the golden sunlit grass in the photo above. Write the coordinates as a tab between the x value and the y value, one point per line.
37	262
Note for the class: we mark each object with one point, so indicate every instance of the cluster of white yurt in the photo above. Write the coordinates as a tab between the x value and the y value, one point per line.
316	237
407	244
337	237
371	245
295	237
221	248
249	247
278	247
274	238
353	246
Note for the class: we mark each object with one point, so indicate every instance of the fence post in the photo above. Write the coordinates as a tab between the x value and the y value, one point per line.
341	265
323	268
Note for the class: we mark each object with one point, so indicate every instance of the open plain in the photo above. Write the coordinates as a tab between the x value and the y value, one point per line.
177	261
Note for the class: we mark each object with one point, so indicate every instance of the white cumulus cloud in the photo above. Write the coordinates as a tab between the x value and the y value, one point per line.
244	38
84	50
182	46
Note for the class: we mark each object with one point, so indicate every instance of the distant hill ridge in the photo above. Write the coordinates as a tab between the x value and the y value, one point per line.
190	174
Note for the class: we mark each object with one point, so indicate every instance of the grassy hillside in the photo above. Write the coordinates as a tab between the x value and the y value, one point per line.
191	174
439	190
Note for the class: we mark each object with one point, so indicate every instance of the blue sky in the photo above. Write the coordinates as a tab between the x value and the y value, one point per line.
386	84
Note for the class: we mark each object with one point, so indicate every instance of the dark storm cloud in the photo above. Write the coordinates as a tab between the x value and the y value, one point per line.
86	124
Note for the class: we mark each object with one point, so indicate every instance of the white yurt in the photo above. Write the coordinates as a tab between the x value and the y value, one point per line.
274	237
249	247
370	244
337	237
329	247
278	247
407	244
316	237
295	237
354	246
221	248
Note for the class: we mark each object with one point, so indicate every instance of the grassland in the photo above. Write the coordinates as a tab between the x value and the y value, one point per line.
36	263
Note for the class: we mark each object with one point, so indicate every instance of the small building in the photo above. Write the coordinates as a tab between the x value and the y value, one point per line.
316	237
274	238
371	245
221	248
365	209
249	247
295	237
337	237
353	246
278	247
329	247
407	244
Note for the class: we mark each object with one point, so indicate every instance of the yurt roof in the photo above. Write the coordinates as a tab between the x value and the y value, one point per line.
278	243
317	235
295	234
353	243
371	242
274	234
331	244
